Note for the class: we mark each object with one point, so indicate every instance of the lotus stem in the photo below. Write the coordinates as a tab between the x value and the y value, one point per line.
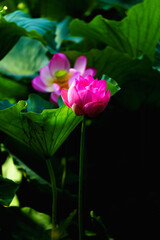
81	173
54	192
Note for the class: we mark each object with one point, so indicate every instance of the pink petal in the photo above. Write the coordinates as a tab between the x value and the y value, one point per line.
80	64
90	79
107	97
54	97
45	75
73	70
82	81
64	95
73	96
40	86
77	110
85	94
102	85
56	89
94	108
58	62
98	87
73	77
90	71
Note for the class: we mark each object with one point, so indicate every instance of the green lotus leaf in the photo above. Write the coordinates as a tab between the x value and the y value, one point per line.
43	131
11	32
137	34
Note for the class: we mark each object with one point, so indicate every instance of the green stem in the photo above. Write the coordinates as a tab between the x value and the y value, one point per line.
54	192
81	171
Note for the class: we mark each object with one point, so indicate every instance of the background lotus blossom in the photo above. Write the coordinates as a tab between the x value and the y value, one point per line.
58	74
86	96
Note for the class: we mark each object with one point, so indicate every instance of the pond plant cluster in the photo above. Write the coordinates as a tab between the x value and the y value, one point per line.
79	119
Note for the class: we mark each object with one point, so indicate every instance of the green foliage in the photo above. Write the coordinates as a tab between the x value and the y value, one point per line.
111	85
8	189
128	35
107	4
11	89
25	21
37	104
126	53
24	223
33	60
45	131
35	179
36	57
11	32
62	32
57	10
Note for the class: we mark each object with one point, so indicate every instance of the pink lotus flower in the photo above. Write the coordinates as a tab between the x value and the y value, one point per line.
86	96
58	74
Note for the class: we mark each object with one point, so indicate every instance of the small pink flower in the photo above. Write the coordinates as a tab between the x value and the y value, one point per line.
58	74
86	96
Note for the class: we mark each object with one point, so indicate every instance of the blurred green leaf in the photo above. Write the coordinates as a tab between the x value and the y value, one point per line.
25	59
121	67
40	218
5	104
37	104
90	233
107	4
62	32
11	32
44	132
137	79
32	176
8	189
11	89
40	25
137	34
10	171
156	64
58	10
25	223
28	55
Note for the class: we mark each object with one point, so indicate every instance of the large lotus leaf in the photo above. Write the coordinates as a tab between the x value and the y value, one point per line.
40	25
139	82
44	132
10	89
28	55
10	34
25	59
8	189
113	63
137	34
